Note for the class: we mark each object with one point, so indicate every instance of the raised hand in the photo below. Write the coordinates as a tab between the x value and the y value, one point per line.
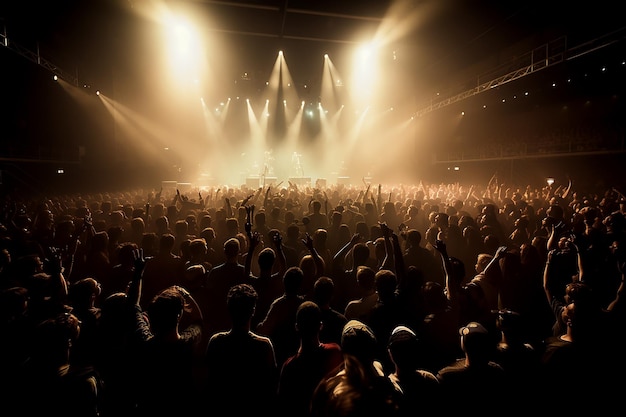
308	242
255	240
356	238
139	262
385	229
278	239
56	260
441	247
501	251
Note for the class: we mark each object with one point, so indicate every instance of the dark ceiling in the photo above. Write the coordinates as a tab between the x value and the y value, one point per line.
442	37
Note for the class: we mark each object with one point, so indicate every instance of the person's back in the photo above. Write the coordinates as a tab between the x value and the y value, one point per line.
360	387
387	313
439	329
279	322
345	277
474	375
268	285
241	365
221	278
313	361
421	392
332	320
519	359
420	257
168	383
360	308
162	271
83	295
317	219
49	384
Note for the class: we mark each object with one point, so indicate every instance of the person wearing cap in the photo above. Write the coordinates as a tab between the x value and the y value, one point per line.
420	388
360	387
475	375
519	358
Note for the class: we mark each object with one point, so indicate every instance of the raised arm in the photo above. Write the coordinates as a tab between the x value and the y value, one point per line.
254	241
280	254
388	261
340	257
319	262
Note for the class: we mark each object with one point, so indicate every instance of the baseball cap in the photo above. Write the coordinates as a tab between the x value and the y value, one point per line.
401	336
474	335
358	339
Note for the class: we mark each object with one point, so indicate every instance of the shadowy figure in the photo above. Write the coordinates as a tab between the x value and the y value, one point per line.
241	365
314	360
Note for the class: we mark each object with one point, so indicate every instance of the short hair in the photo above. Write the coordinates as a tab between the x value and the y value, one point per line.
308	318
232	247
241	300
414	237
360	252
292	279
366	277
386	283
165	309
323	290
266	258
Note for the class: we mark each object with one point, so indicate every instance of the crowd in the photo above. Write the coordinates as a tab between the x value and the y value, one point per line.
313	301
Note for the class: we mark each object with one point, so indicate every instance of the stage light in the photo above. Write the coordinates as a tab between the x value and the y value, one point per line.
97	92
550	181
55	78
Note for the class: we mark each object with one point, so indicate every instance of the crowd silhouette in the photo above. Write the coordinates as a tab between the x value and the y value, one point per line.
305	301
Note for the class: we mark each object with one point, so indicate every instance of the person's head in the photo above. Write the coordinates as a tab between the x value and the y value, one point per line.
403	348
53	338
198	249
13	303
320	238
260	219
510	323
386	284
366	278
83	293
482	260
413	238
293	231
241	300
100	241
181	228
434	297
194	276
292	280
125	253
360	253
323	291
166	243
208	234
232	226
232	247
165	310
476	342
266	259
308	319
358	340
